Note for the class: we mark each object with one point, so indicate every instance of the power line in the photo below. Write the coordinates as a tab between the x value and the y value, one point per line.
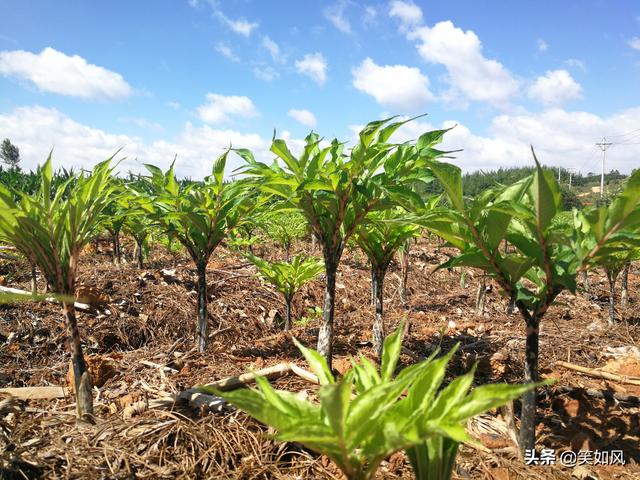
625	134
589	161
627	140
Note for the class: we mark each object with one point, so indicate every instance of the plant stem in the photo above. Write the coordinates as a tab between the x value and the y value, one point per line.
404	273
287	317
612	276
585	281
115	240
624	285
378	322
373	286
325	335
511	306
82	378
481	295
528	415
203	320
140	255
34	284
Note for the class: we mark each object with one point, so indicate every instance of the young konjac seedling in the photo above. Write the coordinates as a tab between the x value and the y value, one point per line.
367	415
288	277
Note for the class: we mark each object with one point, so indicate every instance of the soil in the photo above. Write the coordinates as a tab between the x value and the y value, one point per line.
149	315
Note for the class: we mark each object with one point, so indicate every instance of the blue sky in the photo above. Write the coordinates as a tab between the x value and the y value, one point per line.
188	77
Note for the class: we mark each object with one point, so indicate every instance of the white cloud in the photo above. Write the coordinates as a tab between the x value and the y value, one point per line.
576	63
226	51
335	14
399	87
53	71
555	88
273	49
143	123
174	105
469	72
409	14
634	43
268	74
314	66
220	108
370	15
305	117
559	137
542	45
240	26
35	130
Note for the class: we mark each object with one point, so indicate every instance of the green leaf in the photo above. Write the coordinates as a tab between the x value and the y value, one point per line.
279	147
317	363
218	167
450	178
430	139
391	353
546	197
488	397
371	129
334	399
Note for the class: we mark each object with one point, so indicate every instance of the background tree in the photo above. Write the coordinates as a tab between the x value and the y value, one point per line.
10	154
200	216
380	236
52	229
288	277
335	190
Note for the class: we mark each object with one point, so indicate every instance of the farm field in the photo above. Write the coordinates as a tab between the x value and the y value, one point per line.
140	342
392	239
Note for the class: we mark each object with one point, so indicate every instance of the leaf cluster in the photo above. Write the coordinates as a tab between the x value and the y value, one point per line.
199	215
335	189
288	277
51	229
367	415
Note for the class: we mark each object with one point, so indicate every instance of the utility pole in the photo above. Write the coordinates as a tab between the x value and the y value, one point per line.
570	169
603	146
558	174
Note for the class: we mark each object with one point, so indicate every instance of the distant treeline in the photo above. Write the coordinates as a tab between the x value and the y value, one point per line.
477	182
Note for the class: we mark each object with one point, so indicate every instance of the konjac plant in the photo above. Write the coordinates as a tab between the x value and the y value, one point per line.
380	236
200	216
609	236
368	414
288	277
282	226
52	229
542	262
335	189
